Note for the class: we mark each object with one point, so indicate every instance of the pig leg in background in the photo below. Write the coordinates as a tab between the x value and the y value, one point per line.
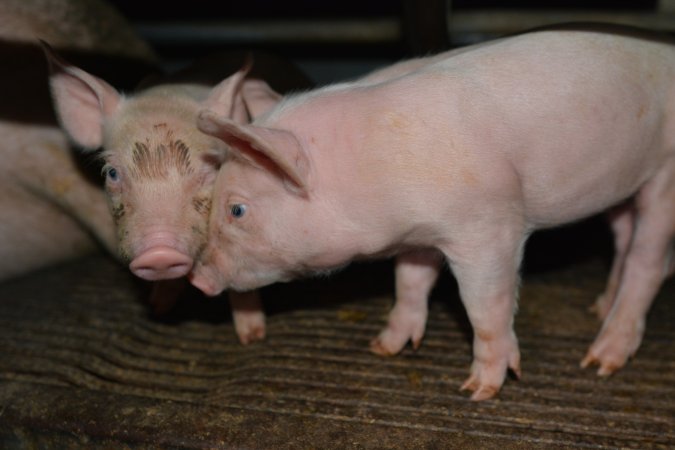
487	273
416	273
622	221
647	264
248	315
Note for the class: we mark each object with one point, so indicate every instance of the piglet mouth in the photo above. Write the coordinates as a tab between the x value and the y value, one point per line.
161	263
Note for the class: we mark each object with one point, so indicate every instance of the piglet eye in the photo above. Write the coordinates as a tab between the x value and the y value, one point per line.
112	174
238	210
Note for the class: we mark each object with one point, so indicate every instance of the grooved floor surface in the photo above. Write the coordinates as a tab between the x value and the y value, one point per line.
83	364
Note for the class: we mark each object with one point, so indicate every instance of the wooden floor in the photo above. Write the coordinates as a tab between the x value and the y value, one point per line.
84	364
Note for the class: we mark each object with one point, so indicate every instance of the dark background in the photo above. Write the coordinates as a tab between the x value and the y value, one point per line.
386	30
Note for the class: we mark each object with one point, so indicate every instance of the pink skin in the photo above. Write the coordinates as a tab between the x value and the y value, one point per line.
159	169
53	210
464	156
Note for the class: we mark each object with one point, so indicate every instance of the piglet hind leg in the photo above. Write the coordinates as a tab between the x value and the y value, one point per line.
416	274
487	274
647	264
622	222
248	316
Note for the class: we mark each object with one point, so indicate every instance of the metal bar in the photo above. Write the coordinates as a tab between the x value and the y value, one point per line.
464	26
373	31
425	25
666	6
467	26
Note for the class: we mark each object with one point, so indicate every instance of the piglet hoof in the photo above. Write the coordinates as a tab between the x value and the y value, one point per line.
392	340
479	391
404	324
607	367
611	350
249	325
248	316
492	360
382	348
486	379
253	334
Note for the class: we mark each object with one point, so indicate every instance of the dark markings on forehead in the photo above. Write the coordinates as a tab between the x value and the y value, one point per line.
202	205
156	162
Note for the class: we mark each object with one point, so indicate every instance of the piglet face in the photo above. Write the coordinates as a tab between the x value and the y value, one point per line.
159	188
259	230
255	231
159	168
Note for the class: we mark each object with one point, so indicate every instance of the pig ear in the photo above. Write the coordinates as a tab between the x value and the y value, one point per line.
82	101
267	148
259	97
226	97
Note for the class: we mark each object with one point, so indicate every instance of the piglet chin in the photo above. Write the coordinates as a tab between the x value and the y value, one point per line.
161	263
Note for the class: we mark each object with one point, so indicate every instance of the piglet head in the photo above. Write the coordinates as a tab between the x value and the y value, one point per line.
260	214
159	169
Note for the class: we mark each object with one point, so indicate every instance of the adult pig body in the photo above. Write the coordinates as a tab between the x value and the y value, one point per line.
467	155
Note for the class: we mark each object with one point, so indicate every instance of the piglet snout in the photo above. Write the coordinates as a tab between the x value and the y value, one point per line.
161	263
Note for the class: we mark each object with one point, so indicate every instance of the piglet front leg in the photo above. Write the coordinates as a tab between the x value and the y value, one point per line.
487	274
416	273
248	316
247	311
